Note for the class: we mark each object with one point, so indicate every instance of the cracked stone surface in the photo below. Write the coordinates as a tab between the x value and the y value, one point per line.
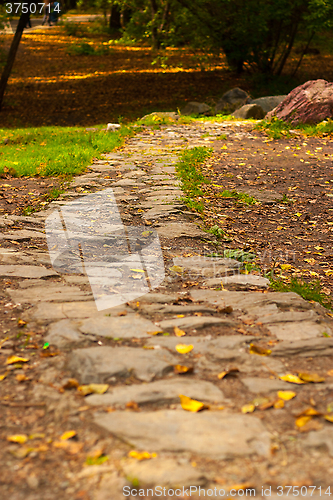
123	327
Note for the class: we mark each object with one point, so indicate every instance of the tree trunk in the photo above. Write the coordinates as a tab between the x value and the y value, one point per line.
12	53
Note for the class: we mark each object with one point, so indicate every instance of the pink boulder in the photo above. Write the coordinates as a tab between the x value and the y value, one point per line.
311	102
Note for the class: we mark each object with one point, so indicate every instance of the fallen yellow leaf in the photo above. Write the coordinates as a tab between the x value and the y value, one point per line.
254	349
3	376
67	435
286	395
137	270
293	379
249	408
309	412
329	418
93	389
227	372
279	403
301	421
179	332
182	369
176	269
190	404
311	377
141	455
184	348
155	333
16	359
18	438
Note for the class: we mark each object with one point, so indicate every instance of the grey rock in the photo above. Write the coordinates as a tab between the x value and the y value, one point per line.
289	317
211	434
110	482
99	364
195	322
179	230
160	298
298	330
206	266
28	283
203	344
51	293
63	332
321	346
170	116
121	327
269	102
232	100
265	385
321	440
248	111
22	235
165	309
161	211
47	312
246	279
164	472
196	108
161	392
26	271
79	280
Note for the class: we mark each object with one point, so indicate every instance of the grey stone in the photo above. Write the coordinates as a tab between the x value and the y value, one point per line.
165	309
161	211
47	312
170	116
164	472
161	392
298	330
203	344
211	434
232	100
28	283
79	280
196	322
63	332
206	266
99	364
162	298
269	102
263	385
9	256
22	235
321	440
248	111
246	279
120	327
305	348
51	293
179	230
110	482
26	271
289	317
196	108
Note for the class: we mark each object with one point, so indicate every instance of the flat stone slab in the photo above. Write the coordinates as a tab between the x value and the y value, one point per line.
99	364
299	330
211	434
321	346
51	311
23	234
175	309
206	266
119	327
179	230
26	271
50	293
245	279
63	332
195	322
321	440
160	298
164	472
265	385
161	392
203	344
247	301
160	211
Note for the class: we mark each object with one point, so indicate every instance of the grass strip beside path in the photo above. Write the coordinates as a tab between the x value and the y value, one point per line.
52	151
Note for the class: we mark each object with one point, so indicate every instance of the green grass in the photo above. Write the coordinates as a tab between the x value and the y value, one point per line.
86	49
47	151
240	197
277	129
189	171
309	291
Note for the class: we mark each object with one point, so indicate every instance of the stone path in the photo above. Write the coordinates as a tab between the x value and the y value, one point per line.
133	347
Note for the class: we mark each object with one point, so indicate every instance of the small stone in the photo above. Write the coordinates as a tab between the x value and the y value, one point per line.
162	298
122	327
320	346
160	392
211	434
246	279
164	472
321	440
63	332
99	364
206	266
26	271
249	111
195	322
57	293
196	108
269	102
263	385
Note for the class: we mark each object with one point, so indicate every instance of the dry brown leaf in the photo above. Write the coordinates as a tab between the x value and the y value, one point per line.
178	332
16	359
67	435
311	377
189	404
301	421
254	349
231	371
71	383
133	405
93	389
182	369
